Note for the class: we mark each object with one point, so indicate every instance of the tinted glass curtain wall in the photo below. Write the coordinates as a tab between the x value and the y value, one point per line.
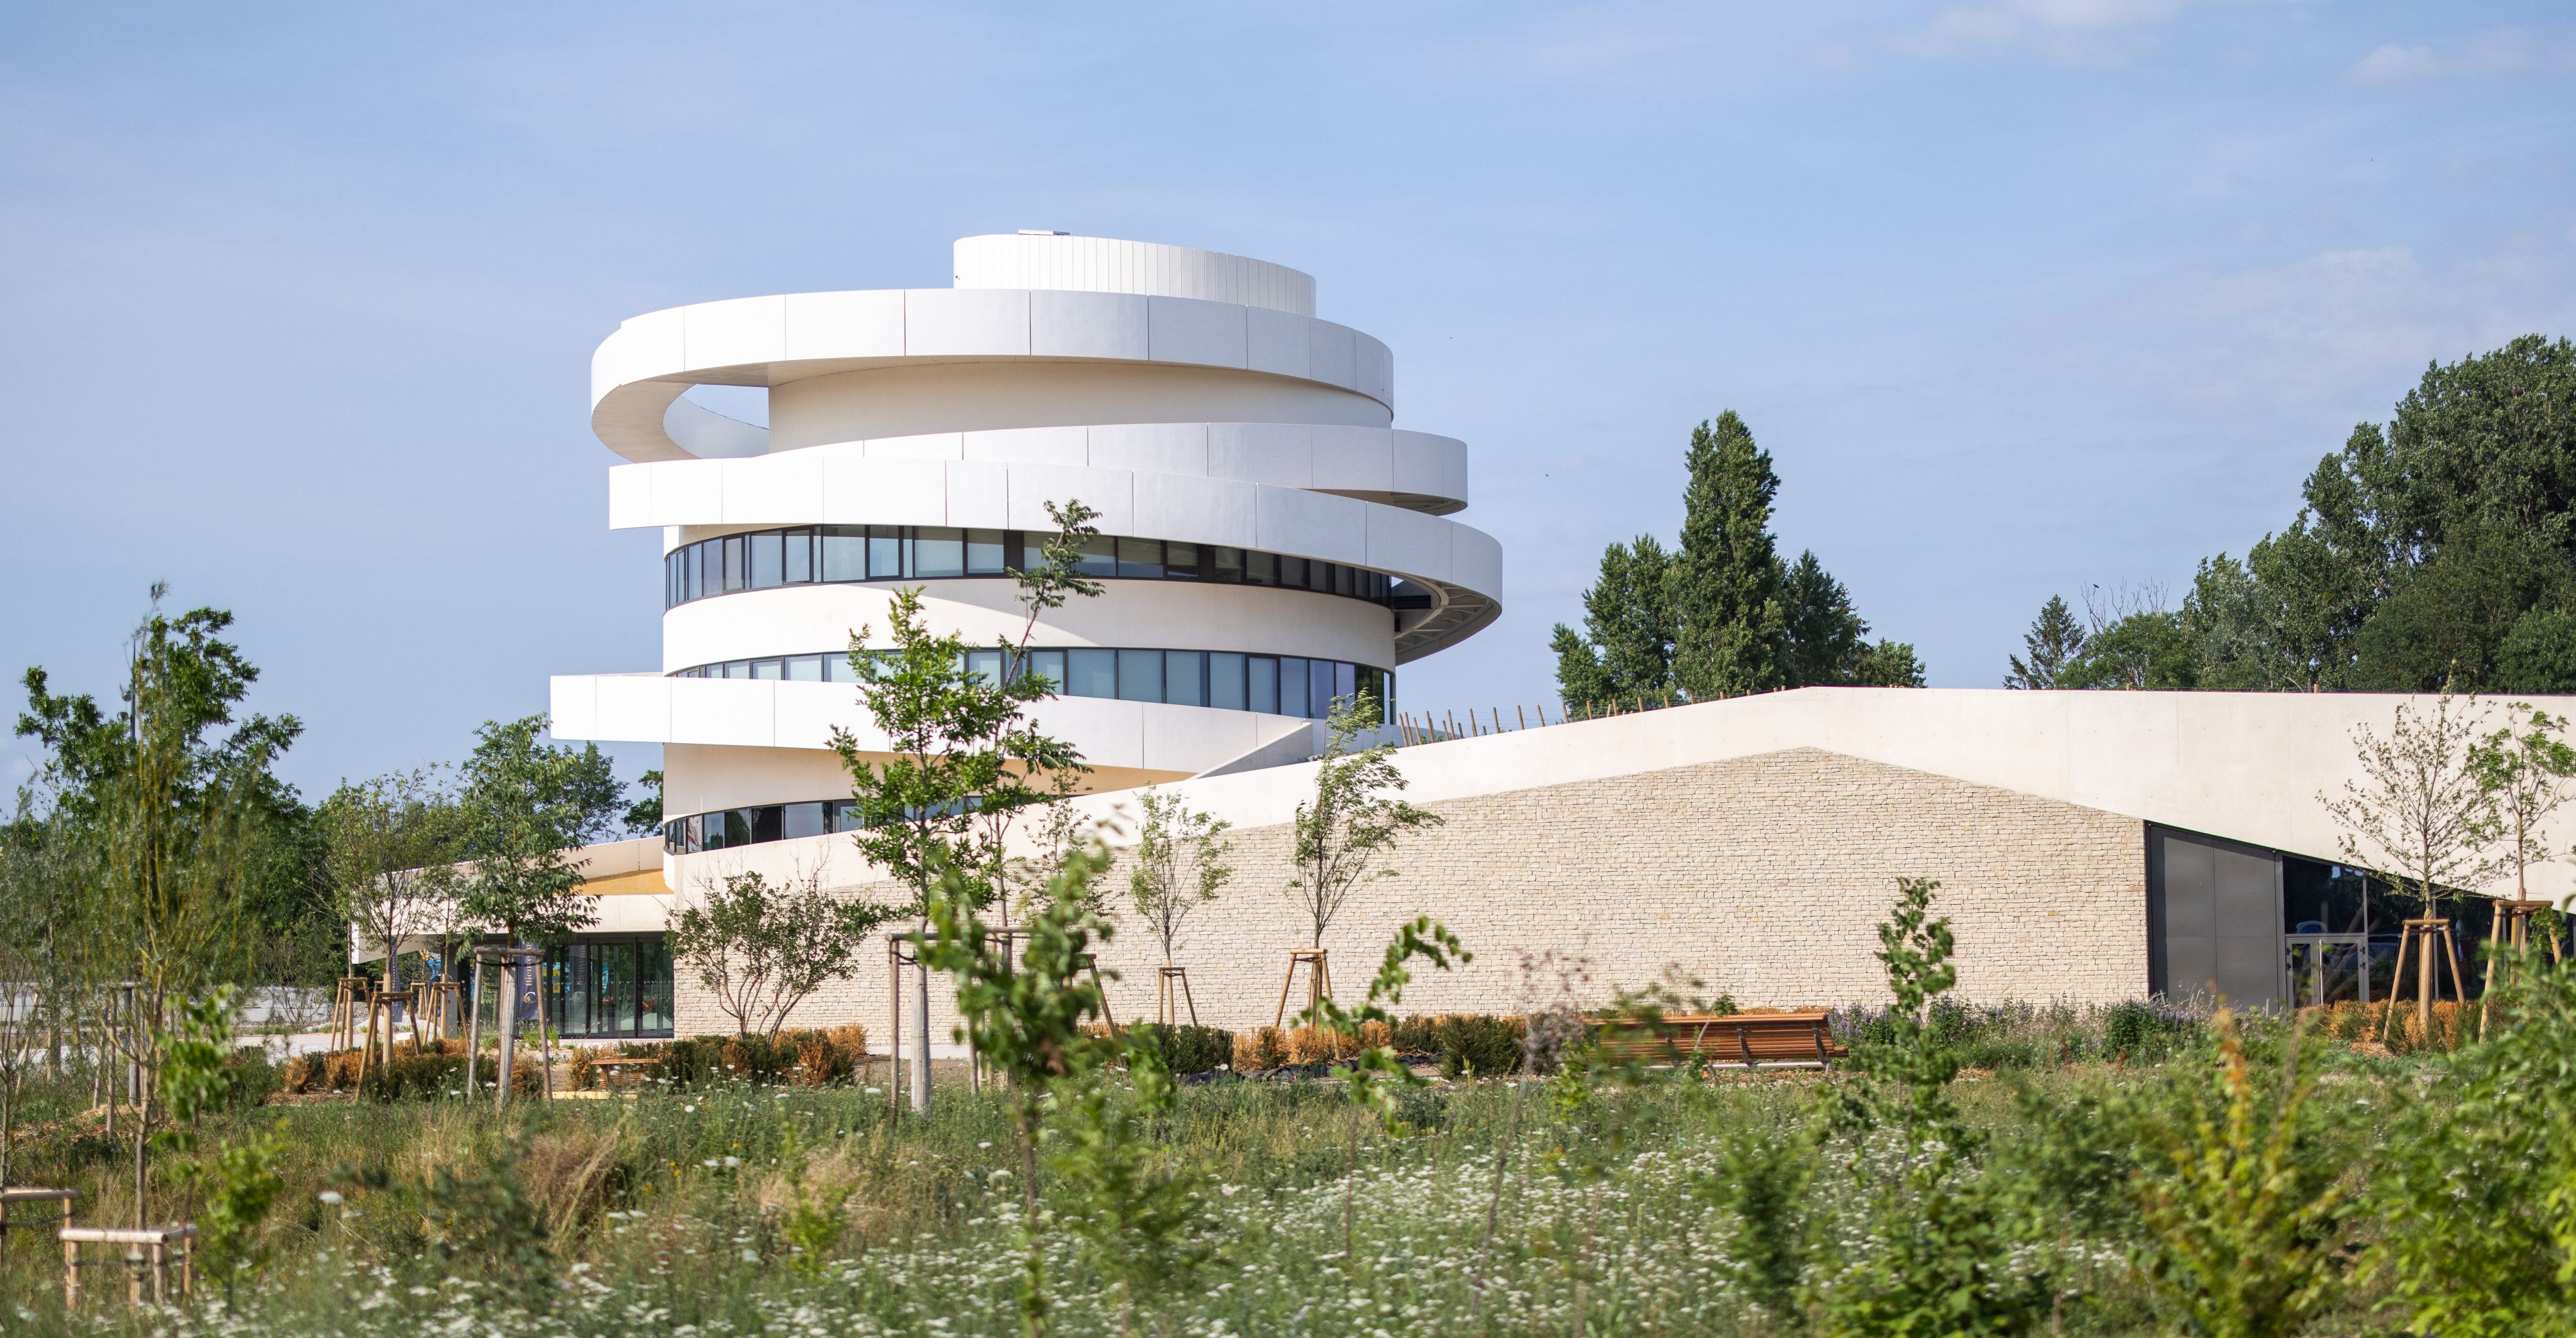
610	989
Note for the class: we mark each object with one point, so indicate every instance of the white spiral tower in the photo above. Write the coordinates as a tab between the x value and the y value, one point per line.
1269	540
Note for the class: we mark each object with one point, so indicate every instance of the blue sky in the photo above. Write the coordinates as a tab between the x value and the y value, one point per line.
2021	297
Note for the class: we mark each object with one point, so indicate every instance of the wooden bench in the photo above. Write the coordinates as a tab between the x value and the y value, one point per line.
623	1068
1733	1040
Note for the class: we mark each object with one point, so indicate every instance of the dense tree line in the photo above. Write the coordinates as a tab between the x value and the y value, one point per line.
2436	551
1721	614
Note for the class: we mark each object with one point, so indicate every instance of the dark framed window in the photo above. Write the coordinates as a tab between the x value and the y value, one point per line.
1226	680
769	559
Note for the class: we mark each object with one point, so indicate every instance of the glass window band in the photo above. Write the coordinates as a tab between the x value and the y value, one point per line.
843	554
1271	684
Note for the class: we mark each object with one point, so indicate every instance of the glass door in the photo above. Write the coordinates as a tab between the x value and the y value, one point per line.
2326	968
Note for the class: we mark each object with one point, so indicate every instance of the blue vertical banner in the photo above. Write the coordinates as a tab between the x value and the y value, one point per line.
523	977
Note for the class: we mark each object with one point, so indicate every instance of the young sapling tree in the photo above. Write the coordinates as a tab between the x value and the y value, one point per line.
2523	772
1025	1017
1353	819
1180	865
527	806
960	758
2417	812
390	844
760	949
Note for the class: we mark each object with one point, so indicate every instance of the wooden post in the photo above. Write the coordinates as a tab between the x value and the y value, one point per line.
1167	1007
894	1019
473	1020
1319	979
71	1274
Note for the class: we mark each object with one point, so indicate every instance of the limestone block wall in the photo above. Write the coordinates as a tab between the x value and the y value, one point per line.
1763	877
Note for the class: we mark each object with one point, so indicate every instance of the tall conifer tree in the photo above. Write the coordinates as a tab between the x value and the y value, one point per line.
1626	648
1731	631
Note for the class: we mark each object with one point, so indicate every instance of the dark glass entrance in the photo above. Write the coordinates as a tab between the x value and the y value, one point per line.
610	988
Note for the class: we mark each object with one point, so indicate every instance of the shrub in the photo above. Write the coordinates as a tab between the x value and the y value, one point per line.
1259	1049
1185	1049
802	1058
412	1074
1467	1043
2454	1025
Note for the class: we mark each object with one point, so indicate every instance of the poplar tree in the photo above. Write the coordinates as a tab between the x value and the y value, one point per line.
1720	616
1731	629
1626	647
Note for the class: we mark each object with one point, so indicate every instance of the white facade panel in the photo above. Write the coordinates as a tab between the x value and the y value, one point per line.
1164	448
979	495
1031	445
704	710
1476	560
745	330
1208	333
845	325
772	489
1353	459
1088	325
1202	510
1111	492
919	446
1282	454
1311	523
1407	541
650	345
1332	353
1376	370
687	492
572	707
952	323
888	492
630	701
630	497
1275	342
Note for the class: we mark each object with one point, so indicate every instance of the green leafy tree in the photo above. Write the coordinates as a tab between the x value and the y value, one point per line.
1138	1215
2053	642
2432	552
1352	822
1889	664
644	816
1938	1250
760	950
962	758
1731	631
2247	1224
527	807
1625	650
169	825
2417	813
2522	772
1719	615
392	843
1180	864
2475	1186
1028	1017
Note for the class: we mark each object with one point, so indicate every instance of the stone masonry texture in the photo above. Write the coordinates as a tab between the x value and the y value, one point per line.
1761	877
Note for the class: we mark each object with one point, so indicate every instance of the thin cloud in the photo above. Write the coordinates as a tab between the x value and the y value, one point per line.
2495	52
2059	29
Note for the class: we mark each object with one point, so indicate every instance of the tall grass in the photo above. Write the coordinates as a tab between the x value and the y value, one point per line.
695	1207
